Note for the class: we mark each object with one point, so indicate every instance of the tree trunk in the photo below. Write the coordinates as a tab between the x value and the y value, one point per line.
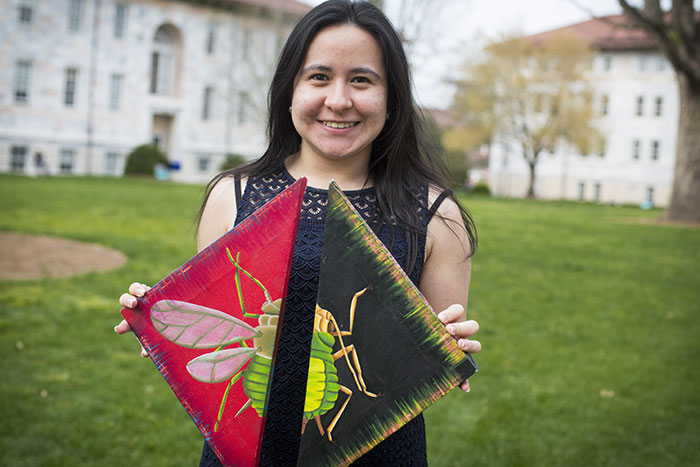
531	183
685	196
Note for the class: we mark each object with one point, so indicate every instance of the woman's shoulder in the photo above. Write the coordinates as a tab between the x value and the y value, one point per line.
219	212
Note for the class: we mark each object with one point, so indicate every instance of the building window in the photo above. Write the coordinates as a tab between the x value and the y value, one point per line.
636	145
596	192
75	14
660	64
23	71
211	38
71	84
640	106
206	102
115	92
26	11
203	163
604	102
658	106
650	195
163	62
18	158
120	11
242	110
112	163
607	63
602	148
643	61
247	43
581	190
655	149
66	161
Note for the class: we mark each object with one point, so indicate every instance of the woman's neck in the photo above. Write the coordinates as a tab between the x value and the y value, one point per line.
348	174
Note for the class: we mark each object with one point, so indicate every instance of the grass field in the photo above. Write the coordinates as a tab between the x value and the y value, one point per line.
590	324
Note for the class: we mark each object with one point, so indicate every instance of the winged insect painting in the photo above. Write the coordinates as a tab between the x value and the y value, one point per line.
211	324
199	327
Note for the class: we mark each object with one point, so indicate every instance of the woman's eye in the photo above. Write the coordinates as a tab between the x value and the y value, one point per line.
361	79
318	77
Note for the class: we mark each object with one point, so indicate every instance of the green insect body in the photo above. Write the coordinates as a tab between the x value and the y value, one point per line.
322	384
257	373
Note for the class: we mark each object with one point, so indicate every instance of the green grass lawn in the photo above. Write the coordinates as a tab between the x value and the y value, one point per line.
590	327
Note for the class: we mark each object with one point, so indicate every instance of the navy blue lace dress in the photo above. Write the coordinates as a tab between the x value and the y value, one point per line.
280	447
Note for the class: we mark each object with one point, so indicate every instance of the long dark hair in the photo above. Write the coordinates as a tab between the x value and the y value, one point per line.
401	158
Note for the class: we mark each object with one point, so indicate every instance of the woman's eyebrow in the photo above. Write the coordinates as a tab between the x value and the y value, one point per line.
327	69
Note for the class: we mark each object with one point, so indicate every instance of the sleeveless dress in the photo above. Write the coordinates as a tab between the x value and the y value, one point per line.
406	447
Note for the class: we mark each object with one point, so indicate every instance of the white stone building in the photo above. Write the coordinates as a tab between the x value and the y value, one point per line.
638	105
82	82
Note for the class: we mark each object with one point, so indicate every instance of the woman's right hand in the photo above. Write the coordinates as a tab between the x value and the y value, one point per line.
128	300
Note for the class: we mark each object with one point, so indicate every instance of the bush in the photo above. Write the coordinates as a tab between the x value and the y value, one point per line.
232	161
143	159
481	188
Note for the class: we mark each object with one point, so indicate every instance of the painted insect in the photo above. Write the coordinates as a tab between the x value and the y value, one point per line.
199	327
322	386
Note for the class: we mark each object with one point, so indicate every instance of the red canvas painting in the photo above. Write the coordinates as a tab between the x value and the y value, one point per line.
211	326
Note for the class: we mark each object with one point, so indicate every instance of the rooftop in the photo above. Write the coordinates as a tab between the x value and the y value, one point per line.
614	32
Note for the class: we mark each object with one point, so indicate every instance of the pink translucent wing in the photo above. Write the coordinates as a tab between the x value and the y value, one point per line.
197	326
221	365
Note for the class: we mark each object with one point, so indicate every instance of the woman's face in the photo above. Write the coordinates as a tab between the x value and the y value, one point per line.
339	100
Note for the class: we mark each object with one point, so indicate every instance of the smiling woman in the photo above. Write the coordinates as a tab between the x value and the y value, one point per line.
338	105
341	109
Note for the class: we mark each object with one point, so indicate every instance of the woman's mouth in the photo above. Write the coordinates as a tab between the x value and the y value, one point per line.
339	125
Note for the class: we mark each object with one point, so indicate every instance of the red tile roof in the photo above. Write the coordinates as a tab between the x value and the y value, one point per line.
614	32
293	7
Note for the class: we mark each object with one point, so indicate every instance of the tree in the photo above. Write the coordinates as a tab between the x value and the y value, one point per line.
534	95
678	35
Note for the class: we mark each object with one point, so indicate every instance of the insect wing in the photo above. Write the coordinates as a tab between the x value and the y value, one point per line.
198	327
218	366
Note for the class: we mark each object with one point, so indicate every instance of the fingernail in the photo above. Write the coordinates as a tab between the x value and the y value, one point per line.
441	316
450	328
463	345
133	302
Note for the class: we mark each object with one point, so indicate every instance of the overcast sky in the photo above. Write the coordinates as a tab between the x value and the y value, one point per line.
463	26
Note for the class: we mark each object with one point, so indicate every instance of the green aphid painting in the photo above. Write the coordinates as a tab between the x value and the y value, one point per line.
379	354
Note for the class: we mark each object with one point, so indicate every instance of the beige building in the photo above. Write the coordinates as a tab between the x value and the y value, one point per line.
82	82
638	106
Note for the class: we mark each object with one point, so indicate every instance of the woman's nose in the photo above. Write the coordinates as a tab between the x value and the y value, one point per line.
338	98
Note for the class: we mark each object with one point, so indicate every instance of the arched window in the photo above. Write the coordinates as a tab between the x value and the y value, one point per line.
164	60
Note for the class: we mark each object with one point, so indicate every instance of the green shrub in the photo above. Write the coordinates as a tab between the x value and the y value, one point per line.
481	188
232	161
143	159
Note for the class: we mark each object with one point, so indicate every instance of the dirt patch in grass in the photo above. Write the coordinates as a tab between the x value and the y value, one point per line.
25	257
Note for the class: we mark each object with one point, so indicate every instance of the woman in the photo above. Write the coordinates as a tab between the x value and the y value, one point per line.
341	108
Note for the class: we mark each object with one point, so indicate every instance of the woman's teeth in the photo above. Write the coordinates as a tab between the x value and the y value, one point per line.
338	125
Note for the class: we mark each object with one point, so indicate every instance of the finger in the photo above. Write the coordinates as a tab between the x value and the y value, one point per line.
463	329
465	386
144	354
122	327
127	300
451	314
470	346
138	289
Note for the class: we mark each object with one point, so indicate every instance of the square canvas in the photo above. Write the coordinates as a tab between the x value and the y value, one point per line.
211	326
379	355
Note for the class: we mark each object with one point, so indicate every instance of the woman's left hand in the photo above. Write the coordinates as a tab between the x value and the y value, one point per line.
454	319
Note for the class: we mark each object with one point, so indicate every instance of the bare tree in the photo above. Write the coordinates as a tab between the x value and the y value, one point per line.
678	35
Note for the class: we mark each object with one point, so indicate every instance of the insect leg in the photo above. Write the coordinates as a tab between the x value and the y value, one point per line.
318	423
353	305
340	411
350	349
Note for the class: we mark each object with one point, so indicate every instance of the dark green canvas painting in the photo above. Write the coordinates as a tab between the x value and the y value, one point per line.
379	355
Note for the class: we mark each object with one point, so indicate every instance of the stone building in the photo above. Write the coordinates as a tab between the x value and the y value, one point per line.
638	106
82	82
